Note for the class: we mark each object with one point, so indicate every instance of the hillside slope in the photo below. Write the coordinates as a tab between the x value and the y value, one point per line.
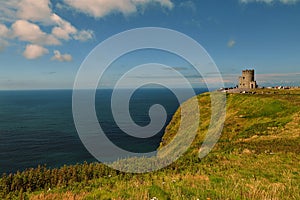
257	157
257	120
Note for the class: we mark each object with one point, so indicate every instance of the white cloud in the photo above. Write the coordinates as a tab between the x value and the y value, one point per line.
8	10
35	10
61	57
3	31
33	51
84	35
66	31
29	32
231	43
30	21
61	33
100	8
34	22
64	28
271	1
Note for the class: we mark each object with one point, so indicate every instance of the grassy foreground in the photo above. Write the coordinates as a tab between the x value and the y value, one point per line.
257	157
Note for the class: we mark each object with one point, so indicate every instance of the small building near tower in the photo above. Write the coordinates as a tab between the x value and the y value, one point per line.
247	80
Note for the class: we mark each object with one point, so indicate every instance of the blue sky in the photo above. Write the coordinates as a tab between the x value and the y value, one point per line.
43	43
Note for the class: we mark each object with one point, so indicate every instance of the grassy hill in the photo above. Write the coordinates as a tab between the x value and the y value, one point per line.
257	157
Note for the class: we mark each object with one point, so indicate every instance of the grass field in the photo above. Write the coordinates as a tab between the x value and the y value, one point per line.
257	157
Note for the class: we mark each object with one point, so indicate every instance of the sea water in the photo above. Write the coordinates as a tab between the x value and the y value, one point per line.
37	127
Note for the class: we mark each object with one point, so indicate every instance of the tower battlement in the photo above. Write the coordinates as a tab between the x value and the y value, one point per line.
248	71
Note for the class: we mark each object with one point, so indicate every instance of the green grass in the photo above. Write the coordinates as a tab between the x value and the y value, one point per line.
257	157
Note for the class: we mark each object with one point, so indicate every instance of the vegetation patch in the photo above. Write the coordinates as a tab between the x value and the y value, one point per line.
257	157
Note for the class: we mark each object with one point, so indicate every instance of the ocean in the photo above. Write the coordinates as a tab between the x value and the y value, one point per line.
37	128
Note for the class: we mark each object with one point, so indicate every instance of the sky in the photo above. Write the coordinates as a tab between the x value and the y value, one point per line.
43	43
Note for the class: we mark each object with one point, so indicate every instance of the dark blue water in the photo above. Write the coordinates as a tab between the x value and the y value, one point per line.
36	127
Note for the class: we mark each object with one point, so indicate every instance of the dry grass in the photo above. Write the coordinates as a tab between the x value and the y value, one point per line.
59	196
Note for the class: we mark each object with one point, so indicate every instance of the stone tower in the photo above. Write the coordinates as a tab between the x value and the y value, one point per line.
247	81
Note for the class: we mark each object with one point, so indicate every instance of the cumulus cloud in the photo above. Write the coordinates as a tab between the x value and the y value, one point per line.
38	11
61	57
29	32
271	1
33	51
35	23
3	31
30	21
100	8
64	28
66	31
231	43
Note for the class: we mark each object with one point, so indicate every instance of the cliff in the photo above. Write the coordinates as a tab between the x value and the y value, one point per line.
256	157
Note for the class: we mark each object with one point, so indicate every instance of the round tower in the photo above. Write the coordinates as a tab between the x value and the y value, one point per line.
247	79
248	75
